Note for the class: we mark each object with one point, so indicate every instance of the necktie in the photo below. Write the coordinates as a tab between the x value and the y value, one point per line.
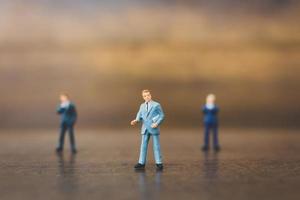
147	106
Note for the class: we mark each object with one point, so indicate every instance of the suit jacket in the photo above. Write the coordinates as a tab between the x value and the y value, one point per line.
210	115
68	114
154	114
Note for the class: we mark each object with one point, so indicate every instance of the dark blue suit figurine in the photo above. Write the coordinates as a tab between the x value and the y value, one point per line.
210	111
68	113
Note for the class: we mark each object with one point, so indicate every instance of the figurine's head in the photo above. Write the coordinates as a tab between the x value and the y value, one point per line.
210	99
64	97
146	95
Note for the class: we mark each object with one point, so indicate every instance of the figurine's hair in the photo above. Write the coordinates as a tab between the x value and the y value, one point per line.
146	91
65	94
211	96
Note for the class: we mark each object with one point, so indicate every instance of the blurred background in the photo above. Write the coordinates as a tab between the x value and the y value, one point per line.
103	53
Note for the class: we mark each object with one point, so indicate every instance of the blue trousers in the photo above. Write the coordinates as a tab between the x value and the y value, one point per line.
144	148
208	129
63	129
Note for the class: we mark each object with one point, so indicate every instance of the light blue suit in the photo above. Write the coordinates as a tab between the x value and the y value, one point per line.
154	114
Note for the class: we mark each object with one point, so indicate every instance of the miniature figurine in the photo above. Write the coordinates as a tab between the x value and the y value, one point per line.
151	115
68	113
210	111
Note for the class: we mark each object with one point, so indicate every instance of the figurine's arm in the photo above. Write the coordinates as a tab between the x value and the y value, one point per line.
216	110
73	111
139	115
161	115
60	110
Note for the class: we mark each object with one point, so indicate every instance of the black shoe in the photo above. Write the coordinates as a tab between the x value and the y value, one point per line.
58	150
205	148
139	166
217	148
159	166
74	151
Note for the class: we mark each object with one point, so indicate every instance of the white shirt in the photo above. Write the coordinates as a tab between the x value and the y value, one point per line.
210	106
65	104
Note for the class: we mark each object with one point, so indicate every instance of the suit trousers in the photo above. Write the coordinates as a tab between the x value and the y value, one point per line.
214	129
144	148
63	129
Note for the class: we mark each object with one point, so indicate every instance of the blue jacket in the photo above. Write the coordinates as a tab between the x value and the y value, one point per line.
154	115
210	115
68	114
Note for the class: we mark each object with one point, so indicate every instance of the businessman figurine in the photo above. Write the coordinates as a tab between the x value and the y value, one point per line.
68	113
151	115
210	111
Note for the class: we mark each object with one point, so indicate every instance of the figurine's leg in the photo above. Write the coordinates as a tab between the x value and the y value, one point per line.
61	141
144	147
206	136
216	139
72	138
156	149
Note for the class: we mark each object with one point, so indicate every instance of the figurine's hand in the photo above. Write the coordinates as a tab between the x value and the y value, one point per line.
133	122
154	125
